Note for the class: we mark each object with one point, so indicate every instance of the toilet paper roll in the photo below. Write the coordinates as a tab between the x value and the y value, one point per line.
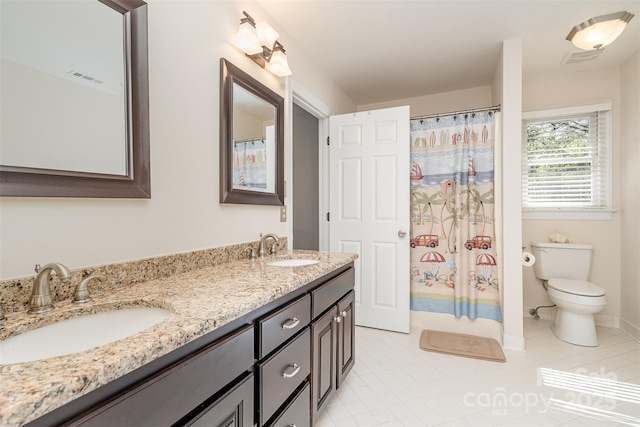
528	259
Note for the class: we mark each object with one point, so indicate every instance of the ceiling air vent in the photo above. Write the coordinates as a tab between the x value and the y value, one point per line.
577	57
75	73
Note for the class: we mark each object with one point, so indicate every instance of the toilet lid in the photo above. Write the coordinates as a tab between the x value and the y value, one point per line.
576	287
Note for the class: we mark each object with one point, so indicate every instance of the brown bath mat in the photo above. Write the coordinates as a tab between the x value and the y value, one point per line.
462	345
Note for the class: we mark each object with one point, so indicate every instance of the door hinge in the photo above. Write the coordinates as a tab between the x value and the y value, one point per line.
328	217
328	141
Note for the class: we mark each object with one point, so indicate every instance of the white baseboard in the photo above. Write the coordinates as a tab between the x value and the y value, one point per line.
510	342
630	329
607	321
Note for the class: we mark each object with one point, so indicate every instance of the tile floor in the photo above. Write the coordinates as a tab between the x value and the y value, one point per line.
553	383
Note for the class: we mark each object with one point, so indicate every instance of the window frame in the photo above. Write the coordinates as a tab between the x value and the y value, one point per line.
575	213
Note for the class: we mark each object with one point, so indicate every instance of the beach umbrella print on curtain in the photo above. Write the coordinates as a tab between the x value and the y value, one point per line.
434	259
488	262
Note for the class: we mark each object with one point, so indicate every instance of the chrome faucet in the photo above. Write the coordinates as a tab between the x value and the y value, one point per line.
263	239
250	251
81	294
40	300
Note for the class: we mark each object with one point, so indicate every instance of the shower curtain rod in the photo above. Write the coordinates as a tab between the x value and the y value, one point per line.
452	113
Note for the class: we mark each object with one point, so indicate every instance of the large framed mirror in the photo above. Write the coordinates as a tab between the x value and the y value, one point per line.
74	116
251	140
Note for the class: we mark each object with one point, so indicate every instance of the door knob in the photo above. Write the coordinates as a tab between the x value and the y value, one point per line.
402	233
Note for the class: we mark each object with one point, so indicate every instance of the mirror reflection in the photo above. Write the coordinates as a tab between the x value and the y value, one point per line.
63	92
251	140
254	145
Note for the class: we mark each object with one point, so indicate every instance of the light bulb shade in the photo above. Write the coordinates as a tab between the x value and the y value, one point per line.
266	34
278	63
247	39
600	31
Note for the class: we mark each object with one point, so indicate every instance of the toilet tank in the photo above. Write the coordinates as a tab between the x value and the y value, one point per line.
562	260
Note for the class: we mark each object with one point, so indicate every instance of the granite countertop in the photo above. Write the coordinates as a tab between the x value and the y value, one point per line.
200	301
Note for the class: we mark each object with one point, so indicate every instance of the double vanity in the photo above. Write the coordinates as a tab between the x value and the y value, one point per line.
263	342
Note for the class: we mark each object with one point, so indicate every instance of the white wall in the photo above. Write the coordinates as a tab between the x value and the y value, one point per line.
464	99
186	42
574	89
630	196
507	90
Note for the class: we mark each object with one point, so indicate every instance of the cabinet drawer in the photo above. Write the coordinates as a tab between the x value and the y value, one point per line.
169	395
278	327
298	412
234	409
327	295
281	374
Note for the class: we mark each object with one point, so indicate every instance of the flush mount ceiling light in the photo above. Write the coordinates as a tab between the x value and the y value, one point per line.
260	43
600	31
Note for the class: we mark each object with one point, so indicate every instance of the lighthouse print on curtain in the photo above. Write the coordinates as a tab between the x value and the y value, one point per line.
453	255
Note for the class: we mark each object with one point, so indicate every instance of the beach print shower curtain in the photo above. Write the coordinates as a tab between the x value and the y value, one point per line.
453	256
250	164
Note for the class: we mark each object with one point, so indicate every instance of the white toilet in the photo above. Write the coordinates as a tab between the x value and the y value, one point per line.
564	268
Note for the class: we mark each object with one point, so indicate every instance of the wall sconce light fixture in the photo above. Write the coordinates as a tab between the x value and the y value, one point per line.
600	31
260	43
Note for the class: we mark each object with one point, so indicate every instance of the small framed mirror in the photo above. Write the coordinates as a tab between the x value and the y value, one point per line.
251	140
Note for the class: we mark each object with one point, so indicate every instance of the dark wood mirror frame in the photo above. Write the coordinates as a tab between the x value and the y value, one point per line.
230	75
31	182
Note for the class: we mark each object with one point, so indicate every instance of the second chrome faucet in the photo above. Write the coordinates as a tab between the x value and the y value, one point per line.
274	247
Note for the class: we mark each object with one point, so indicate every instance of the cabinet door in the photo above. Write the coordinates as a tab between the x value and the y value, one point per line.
346	337
234	409
323	352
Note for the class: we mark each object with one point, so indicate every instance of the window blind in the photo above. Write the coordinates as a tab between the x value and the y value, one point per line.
565	161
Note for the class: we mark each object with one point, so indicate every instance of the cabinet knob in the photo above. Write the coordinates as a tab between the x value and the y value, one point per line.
344	314
296	369
291	323
337	319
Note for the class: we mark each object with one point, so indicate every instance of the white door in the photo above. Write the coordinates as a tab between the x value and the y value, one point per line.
369	210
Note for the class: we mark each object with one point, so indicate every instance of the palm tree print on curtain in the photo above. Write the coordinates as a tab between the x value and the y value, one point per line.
453	255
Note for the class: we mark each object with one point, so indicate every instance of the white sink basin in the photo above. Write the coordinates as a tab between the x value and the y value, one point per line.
78	334
293	262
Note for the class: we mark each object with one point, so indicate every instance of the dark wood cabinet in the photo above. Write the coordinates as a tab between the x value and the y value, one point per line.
297	412
233	409
323	353
346	337
168	396
278	365
332	351
282	325
281	374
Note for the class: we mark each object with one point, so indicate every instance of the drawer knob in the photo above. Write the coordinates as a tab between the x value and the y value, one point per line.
291	323
337	319
296	369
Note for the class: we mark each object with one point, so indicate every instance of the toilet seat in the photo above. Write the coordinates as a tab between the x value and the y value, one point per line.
576	287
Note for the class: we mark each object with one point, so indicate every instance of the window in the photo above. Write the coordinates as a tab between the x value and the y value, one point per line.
566	171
